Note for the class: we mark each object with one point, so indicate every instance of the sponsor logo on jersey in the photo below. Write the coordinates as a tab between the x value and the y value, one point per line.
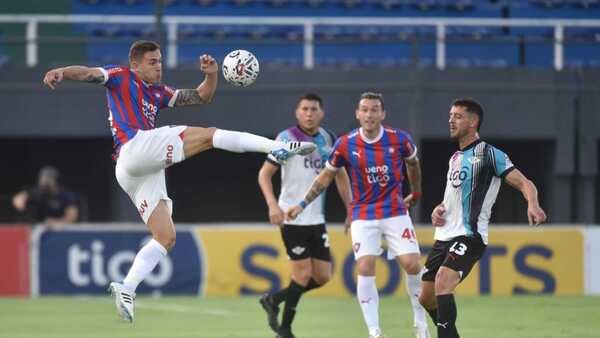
457	177
149	110
378	175
169	160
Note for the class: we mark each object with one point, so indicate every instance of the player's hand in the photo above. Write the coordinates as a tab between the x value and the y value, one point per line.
347	224
53	77
292	213
208	65
535	215
276	215
411	199
437	216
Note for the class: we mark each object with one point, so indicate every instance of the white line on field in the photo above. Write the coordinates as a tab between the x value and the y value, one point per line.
169	307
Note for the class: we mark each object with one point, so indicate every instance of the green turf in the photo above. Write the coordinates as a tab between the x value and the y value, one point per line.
171	317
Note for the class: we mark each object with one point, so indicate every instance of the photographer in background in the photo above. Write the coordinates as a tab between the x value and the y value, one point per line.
47	202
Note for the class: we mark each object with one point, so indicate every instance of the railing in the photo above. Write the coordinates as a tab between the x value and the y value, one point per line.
172	24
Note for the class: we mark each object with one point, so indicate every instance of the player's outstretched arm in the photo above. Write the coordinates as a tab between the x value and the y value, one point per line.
265	176
76	73
206	90
319	185
535	213
413	170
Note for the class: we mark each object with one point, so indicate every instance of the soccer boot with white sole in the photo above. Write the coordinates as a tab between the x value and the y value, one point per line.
291	149
272	311
123	299
422	332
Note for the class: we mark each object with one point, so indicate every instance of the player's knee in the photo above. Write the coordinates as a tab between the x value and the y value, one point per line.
322	278
445	282
302	276
412	267
167	241
366	268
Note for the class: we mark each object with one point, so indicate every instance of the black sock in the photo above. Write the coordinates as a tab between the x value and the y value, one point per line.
446	317
312	284
294	292
279	296
433	315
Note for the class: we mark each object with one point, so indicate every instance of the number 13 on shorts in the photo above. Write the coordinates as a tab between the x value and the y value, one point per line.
458	248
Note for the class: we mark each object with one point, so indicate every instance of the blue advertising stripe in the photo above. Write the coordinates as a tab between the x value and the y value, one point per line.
84	262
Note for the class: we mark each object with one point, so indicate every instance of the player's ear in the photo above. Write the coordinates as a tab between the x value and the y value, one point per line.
383	118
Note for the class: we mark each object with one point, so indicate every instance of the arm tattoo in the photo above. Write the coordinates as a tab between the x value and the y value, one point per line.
186	97
94	79
315	190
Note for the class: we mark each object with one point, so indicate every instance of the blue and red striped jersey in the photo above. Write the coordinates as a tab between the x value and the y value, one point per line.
375	170
132	103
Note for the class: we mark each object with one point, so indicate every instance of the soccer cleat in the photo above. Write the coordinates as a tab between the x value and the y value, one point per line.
376	334
291	149
123	299
272	311
422	332
285	333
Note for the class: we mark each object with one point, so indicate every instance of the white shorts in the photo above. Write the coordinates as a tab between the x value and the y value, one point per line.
141	165
398	231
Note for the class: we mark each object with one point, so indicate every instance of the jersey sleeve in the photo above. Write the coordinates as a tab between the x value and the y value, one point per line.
281	137
408	149
113	75
168	95
502	163
337	158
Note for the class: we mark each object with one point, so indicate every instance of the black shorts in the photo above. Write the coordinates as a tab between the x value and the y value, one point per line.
459	254
306	241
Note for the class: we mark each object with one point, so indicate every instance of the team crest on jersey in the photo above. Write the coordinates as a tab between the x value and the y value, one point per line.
390	150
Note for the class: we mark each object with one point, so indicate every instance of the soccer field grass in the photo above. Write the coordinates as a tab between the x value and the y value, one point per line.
188	317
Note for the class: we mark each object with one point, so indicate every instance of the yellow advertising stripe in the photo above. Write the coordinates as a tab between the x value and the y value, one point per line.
253	260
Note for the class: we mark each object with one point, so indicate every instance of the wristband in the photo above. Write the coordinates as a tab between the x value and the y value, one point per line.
303	204
416	195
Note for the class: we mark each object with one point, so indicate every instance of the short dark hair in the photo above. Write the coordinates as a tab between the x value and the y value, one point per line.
311	97
141	47
472	107
373	96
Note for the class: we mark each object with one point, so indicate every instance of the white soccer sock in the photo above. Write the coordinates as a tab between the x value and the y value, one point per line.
144	262
368	298
241	142
413	288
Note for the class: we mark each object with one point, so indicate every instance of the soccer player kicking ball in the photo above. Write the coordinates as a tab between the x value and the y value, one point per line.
474	175
374	156
142	151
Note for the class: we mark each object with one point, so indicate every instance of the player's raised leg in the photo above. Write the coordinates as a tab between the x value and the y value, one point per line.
163	239
197	139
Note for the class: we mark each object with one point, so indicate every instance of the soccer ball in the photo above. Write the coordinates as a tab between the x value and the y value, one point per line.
240	68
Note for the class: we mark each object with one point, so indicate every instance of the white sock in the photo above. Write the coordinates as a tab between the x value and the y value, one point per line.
240	142
145	261
368	298
413	288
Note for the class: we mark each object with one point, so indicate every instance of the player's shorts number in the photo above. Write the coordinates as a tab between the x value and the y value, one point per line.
460	250
409	234
325	240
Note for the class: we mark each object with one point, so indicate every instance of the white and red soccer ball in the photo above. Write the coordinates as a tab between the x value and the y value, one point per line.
240	68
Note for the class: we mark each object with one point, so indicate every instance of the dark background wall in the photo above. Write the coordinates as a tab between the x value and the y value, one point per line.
546	121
